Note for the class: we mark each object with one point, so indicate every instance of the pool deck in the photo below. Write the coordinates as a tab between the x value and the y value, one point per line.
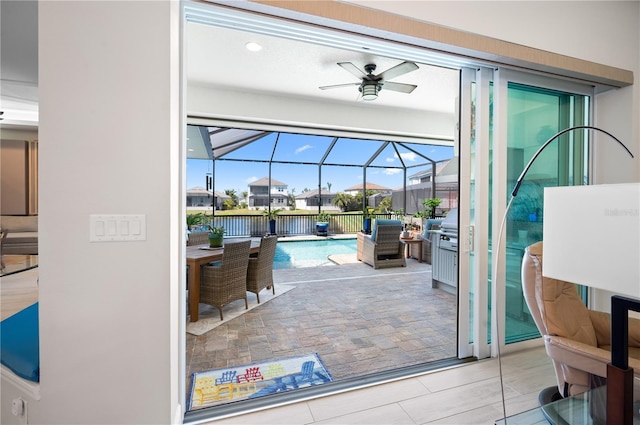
359	320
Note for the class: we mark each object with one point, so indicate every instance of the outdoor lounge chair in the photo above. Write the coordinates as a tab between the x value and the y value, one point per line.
576	339
220	285
383	248
260	272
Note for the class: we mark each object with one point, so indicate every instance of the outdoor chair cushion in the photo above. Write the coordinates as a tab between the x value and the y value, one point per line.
431	224
383	222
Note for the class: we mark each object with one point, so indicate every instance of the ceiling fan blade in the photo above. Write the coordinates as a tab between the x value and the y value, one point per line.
398	70
399	87
348	66
335	86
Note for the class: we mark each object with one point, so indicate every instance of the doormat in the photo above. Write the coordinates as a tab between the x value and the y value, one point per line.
219	386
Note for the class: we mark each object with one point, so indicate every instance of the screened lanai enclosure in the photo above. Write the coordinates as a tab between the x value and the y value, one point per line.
308	171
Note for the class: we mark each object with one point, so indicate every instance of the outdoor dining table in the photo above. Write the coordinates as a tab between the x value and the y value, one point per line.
197	256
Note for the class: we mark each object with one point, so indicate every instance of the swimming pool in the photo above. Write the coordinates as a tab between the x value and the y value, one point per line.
297	254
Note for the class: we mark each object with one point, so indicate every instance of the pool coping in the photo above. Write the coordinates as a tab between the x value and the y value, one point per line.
316	238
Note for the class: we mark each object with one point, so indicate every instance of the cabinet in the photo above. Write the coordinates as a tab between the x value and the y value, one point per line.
444	266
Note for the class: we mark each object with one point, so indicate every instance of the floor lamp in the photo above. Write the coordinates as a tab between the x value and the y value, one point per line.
569	221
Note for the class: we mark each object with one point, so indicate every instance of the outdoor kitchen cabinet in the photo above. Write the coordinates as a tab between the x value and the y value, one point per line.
444	270
444	254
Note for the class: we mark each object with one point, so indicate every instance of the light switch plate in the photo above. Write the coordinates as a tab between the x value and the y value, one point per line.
117	227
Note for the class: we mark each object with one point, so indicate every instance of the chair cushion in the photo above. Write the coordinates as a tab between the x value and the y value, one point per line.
429	224
382	222
20	343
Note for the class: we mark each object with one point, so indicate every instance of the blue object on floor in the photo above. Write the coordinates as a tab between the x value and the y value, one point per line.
20	343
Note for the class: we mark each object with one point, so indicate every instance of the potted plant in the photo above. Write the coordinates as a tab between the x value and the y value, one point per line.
194	221
322	223
367	215
431	204
271	216
216	236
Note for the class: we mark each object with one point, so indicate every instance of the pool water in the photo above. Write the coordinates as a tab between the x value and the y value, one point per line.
297	254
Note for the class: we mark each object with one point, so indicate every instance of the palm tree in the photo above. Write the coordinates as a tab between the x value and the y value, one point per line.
343	201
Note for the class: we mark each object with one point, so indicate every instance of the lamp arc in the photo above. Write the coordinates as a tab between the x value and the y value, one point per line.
554	137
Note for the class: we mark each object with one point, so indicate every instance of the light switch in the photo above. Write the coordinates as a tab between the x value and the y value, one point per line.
99	228
124	227
117	227
112	228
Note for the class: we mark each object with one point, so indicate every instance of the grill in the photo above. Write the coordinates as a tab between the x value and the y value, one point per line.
449	231
444	271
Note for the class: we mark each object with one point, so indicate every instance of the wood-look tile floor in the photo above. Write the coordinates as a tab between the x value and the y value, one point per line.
467	394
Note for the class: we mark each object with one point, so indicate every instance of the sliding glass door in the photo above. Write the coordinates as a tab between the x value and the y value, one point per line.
533	110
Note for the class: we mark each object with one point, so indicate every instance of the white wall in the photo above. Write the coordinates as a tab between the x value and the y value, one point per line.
207	101
109	131
109	313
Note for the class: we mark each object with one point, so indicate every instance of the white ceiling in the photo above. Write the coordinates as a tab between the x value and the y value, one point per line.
218	57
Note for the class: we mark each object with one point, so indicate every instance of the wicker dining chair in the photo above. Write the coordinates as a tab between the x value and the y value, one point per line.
260	273
220	285
198	238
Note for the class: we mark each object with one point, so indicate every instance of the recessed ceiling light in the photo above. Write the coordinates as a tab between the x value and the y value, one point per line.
253	47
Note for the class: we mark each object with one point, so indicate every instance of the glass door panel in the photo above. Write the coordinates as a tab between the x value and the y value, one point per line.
534	116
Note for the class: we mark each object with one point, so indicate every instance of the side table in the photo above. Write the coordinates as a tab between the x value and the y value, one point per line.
408	242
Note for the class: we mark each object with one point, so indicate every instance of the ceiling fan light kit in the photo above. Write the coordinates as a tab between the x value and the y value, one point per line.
370	91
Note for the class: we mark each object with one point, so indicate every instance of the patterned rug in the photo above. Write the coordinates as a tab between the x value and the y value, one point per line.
236	383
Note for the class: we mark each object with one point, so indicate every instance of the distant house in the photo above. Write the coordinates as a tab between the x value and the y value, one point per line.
310	200
354	190
200	197
259	194
425	176
419	188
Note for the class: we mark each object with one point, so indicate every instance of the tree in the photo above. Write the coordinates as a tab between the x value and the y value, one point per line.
292	198
343	201
329	186
385	204
233	202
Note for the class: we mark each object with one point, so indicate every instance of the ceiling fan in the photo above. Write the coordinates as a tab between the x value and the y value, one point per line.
371	84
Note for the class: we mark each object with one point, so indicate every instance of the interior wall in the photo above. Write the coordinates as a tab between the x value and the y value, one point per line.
108	322
14	177
263	107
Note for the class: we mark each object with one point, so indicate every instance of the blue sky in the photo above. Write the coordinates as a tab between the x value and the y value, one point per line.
310	150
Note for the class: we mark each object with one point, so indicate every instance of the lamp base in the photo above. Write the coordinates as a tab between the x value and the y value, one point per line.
619	395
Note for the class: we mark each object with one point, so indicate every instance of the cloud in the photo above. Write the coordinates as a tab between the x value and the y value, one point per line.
251	179
303	148
391	171
409	156
406	156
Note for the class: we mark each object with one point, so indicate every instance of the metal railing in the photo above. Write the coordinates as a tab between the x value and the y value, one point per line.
290	224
